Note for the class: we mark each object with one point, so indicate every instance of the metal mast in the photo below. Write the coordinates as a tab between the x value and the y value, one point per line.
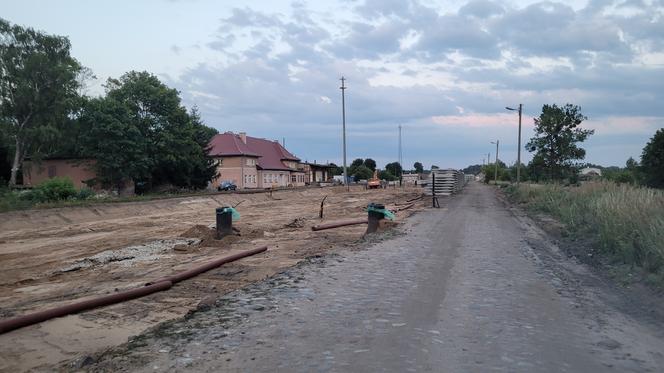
400	153
343	116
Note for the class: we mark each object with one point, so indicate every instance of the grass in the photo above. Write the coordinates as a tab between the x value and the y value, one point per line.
10	201
625	224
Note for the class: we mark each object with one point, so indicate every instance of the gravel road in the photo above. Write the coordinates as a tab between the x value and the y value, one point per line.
469	287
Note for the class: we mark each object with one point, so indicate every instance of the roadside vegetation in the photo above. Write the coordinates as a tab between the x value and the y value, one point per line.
621	222
17	199
53	191
616	218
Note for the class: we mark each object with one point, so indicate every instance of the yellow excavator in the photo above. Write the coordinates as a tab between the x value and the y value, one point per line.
374	182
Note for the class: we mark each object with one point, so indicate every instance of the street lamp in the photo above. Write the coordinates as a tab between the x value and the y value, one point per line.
495	175
518	152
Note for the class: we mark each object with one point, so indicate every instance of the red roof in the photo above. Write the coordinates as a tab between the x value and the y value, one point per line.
228	144
270	153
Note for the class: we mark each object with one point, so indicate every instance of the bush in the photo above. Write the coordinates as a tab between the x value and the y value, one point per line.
85	193
55	189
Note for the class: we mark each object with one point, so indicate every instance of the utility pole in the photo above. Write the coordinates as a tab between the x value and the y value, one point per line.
400	157
495	175
518	153
343	116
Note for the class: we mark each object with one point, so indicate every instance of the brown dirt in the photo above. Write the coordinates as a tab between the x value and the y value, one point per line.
53	257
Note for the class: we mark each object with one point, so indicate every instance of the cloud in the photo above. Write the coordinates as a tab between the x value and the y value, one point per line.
481	9
439	72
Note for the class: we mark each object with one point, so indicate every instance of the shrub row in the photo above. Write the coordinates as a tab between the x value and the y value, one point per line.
52	190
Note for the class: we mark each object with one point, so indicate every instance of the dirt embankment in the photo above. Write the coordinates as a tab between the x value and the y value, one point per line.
52	257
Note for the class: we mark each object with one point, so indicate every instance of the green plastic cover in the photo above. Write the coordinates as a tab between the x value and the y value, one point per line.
387	213
234	213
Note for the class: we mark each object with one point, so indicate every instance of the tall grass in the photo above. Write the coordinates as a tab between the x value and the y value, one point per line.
625	222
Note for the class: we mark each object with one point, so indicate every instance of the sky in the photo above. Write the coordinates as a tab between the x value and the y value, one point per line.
443	70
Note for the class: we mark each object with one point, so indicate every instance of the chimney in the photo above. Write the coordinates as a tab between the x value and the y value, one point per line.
243	137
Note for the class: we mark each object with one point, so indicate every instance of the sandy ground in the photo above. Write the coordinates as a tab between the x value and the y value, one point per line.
53	257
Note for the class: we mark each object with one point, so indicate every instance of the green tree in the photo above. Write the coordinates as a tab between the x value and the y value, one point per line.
370	163
535	169
38	88
140	131
652	160
362	172
419	168
394	168
336	170
5	166
490	172
524	172
557	133
115	142
474	169
386	175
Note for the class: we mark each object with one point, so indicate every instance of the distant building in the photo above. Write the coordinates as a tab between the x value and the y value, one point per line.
410	178
317	173
252	162
80	171
590	172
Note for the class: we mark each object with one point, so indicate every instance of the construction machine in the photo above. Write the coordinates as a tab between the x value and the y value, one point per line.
374	182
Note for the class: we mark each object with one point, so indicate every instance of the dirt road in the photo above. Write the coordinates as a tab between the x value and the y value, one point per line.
53	257
466	288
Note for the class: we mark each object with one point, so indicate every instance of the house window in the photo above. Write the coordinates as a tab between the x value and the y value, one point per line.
51	171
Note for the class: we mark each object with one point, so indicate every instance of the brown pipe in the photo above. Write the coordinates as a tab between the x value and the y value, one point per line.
37	317
208	266
149	288
338	224
404	207
415	199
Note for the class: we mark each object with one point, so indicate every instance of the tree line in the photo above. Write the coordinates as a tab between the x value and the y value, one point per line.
557	153
137	131
363	169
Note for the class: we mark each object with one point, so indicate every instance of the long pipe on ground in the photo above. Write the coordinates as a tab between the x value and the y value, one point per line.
150	288
185	275
406	207
37	317
415	199
338	224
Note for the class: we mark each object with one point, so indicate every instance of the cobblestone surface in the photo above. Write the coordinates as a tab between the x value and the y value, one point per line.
464	289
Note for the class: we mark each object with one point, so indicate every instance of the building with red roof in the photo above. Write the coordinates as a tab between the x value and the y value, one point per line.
251	162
